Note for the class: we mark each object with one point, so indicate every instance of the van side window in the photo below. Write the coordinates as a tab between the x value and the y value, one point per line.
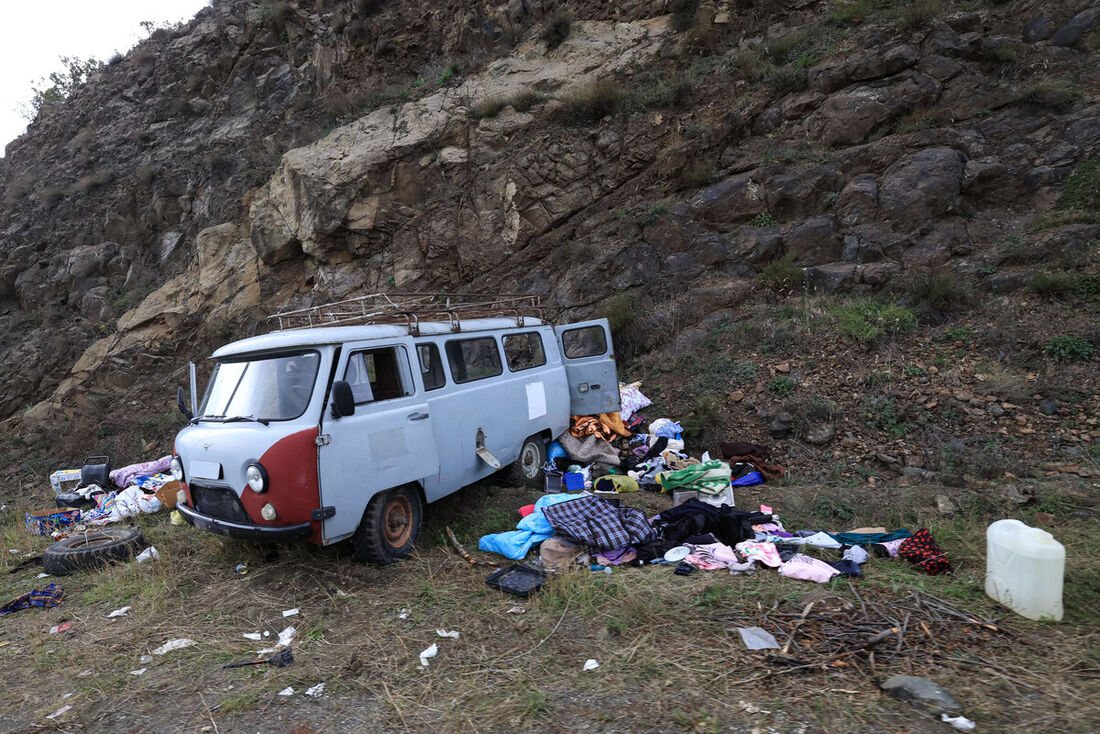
431	368
524	351
473	359
375	374
588	341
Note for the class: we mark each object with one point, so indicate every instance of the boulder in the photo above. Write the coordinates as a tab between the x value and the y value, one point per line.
814	241
833	74
797	192
1070	32
737	198
848	117
921	186
831	277
1039	28
858	200
758	244
821	434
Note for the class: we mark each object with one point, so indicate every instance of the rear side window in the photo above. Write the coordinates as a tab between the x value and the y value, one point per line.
431	367
524	351
588	341
376	374
473	359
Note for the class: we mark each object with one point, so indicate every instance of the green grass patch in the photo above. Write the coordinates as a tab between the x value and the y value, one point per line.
867	320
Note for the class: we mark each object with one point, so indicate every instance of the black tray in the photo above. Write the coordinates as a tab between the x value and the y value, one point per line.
517	579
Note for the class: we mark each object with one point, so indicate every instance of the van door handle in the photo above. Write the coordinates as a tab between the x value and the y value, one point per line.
595	387
419	416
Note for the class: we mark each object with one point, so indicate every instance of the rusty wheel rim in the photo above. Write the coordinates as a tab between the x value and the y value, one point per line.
529	461
397	521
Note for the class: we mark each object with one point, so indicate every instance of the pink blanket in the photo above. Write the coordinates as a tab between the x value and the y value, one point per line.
122	477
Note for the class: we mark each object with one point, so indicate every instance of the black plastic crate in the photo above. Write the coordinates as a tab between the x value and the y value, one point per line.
517	580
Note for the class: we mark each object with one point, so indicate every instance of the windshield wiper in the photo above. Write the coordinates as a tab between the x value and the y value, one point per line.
239	418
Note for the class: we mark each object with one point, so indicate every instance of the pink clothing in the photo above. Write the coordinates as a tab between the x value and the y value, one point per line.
763	552
702	563
807	569
891	546
122	477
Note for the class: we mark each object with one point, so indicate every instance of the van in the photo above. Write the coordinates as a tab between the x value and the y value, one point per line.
345	422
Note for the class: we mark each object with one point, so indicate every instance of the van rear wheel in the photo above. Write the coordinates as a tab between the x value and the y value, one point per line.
390	526
527	469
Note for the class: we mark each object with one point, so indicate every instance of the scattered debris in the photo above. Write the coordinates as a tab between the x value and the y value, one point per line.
290	612
281	659
316	691
757	638
242	569
403	614
63	627
288	691
149	554
120	612
429	652
914	688
285	638
590	664
59	712
139	671
959	722
177	644
144	659
254	636
84	674
453	634
50	596
465	553
43	576
516	610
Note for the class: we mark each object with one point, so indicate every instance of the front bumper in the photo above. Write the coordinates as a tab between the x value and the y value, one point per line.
242	531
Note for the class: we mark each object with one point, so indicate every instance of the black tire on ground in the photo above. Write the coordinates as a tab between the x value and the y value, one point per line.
92	550
390	526
527	469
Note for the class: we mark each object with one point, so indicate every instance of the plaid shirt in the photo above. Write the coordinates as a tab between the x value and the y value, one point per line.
599	524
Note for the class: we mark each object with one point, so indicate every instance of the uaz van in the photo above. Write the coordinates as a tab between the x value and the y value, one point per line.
348	431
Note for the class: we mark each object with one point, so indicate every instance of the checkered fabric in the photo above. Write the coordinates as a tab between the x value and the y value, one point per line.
601	525
51	596
922	551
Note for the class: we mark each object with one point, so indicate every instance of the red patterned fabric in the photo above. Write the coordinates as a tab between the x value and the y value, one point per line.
921	550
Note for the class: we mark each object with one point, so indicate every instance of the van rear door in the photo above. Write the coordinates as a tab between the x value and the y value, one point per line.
589	367
387	442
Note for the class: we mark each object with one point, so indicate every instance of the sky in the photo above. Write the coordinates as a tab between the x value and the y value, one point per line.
33	35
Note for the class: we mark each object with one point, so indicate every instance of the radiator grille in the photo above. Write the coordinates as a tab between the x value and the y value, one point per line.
219	502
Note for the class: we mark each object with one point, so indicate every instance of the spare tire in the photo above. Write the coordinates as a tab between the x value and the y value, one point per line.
91	550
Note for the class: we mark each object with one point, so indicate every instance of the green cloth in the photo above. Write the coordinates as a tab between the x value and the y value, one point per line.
710	477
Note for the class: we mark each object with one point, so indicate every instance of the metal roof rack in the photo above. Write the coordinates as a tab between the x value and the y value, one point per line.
410	309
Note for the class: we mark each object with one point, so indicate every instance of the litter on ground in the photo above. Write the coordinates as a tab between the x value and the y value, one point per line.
120	612
177	644
429	652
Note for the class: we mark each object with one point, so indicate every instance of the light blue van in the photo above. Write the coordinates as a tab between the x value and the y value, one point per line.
341	432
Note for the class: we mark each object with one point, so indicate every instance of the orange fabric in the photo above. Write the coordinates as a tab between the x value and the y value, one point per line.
588	425
614	421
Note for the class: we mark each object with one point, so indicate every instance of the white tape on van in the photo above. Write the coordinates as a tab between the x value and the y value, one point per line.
536	400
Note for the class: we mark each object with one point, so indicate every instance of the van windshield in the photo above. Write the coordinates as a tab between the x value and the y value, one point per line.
269	388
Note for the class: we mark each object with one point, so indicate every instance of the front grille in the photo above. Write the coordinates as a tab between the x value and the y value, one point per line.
219	502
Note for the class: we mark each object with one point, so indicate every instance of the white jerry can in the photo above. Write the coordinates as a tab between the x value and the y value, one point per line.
1024	569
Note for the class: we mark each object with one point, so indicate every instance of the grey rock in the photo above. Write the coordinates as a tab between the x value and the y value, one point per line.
1048	407
995	410
922	186
821	434
914	688
832	277
1039	28
814	241
1070	32
917	472
944	505
1013	494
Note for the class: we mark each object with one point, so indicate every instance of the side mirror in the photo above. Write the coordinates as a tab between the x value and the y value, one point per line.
182	403
343	401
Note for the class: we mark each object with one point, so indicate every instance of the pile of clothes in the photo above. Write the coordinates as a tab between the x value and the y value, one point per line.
136	484
621	452
573	529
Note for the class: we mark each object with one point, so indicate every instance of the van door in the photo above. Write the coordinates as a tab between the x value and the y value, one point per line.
387	442
589	367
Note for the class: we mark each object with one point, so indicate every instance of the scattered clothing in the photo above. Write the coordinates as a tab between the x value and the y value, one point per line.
748	480
889	549
598	523
869	538
616	483
807	569
557	553
848	568
617	557
123	477
820	539
50	596
589	450
856	555
632	400
766	553
532	529
923	551
711	477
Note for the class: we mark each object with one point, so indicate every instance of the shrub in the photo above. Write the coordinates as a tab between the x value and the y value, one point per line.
698	173
93	181
919	13
783	274
1069	348
652	214
1082	189
492	106
781	385
884	414
620	310
50	194
591	103
1047	95
1002	53
279	16
751	64
82	138
783	80
850	12
59	85
683	14
764	219
785	48
557	30
660	92
867	320
942	291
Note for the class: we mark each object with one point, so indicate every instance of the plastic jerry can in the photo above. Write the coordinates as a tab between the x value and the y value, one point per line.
1024	569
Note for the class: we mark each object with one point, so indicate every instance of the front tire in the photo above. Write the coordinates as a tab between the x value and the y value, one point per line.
527	469
390	526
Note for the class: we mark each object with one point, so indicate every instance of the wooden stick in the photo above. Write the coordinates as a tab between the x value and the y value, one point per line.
797	624
465	553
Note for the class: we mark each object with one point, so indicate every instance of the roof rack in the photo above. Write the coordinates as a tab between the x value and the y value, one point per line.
410	309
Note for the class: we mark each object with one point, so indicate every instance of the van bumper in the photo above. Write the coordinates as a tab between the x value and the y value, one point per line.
265	533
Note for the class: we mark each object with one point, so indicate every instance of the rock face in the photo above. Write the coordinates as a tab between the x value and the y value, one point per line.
241	164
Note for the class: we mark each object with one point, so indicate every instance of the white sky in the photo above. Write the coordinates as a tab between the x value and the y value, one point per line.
34	34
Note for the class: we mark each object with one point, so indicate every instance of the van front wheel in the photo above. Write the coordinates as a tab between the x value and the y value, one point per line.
527	469
390	526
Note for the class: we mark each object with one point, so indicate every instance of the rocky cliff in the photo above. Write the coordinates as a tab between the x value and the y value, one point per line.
664	163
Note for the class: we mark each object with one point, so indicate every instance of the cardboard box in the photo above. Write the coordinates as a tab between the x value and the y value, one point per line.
167	493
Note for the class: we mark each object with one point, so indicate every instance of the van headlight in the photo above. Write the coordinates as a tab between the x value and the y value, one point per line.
256	476
176	468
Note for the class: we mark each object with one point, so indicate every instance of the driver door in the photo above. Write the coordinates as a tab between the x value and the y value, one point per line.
387	442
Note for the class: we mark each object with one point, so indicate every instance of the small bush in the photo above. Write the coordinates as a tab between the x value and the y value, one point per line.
93	181
557	31
1081	190
786	48
884	414
652	214
50	194
1069	349
867	320
764	219
919	13
659	92
1047	95
698	173
591	103
621	310
1002	53
850	12
1061	218
783	274
783	80
751	64
782	386
279	16
942	291
493	106
82	138
683	14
